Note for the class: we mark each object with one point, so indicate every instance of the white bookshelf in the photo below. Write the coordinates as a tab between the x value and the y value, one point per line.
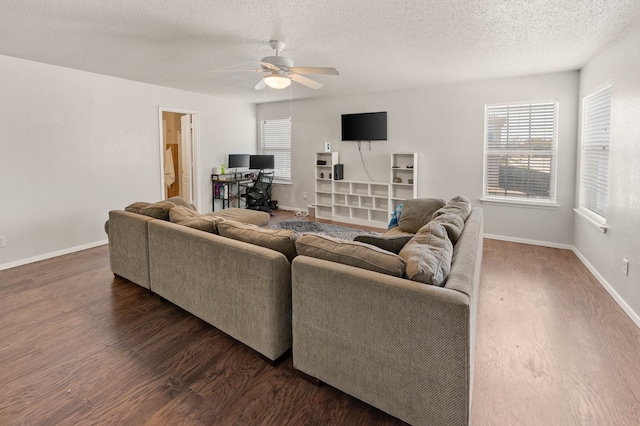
324	188
404	167
360	202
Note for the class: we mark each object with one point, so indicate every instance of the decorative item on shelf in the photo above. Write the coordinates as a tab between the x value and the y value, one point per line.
410	181
321	162
329	175
321	175
410	166
397	180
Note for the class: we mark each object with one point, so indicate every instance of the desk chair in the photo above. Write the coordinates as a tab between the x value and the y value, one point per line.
258	196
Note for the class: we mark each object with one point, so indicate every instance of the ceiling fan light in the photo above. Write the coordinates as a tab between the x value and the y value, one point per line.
277	81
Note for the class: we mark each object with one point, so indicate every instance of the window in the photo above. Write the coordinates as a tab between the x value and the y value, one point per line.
594	170
520	152
276	140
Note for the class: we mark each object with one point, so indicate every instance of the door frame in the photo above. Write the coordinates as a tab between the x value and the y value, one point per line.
195	127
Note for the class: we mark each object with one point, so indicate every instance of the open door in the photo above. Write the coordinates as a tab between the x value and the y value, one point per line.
178	134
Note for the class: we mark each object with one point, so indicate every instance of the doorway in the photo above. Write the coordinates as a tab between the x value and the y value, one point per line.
178	137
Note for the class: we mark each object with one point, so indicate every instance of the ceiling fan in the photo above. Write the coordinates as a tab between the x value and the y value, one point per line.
281	71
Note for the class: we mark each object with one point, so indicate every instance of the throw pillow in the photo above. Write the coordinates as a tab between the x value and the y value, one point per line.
159	210
459	205
351	253
280	240
136	207
428	255
184	216
395	217
393	243
417	213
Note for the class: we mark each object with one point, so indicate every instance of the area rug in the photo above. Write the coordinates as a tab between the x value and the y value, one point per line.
309	227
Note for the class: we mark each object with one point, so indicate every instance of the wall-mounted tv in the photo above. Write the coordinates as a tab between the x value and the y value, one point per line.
368	126
261	162
238	161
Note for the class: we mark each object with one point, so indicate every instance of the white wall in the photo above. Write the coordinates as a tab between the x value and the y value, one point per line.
445	125
76	145
618	63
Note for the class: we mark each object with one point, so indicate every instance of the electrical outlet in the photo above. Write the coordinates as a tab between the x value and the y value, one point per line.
3	242
304	195
625	267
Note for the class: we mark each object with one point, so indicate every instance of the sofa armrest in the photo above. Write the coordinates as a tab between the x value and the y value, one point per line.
398	345
129	246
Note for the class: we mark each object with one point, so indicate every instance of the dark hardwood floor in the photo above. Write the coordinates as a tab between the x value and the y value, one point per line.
78	346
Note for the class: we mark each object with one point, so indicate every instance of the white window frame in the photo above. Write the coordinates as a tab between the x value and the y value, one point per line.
594	155
275	139
535	151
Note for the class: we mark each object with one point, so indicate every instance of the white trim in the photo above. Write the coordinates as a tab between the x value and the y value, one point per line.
619	300
52	255
586	215
527	241
524	203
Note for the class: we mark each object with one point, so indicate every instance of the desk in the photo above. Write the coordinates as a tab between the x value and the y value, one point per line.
222	188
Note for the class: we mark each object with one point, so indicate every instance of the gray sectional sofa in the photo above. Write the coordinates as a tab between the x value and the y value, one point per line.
359	314
242	289
399	345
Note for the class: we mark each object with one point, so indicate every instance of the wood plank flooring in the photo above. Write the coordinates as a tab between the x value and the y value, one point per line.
78	346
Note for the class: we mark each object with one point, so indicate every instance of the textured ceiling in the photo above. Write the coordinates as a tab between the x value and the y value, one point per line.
376	45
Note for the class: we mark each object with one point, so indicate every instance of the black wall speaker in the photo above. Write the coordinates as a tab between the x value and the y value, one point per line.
338	171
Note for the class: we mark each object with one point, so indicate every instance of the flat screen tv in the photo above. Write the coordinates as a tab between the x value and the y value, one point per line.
261	162
238	161
368	126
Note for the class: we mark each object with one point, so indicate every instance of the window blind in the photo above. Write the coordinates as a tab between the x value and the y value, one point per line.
594	179
276	141
520	151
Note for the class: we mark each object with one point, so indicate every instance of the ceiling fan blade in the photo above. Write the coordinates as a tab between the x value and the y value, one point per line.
315	70
305	81
261	85
254	70
268	65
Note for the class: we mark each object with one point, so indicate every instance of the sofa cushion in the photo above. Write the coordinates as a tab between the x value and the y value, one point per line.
459	205
452	223
280	240
253	217
428	255
351	253
184	216
136	207
392	243
417	213
159	210
179	201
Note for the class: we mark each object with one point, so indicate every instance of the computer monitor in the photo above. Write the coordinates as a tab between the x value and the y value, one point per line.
238	161
261	162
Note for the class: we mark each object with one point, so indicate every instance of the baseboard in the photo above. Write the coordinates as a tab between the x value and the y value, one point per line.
619	300
52	254
530	242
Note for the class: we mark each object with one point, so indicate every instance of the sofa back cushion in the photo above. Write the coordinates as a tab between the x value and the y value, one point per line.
452	223
159	210
136	207
459	205
184	216
351	253
280	240
428	255
418	212
179	201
